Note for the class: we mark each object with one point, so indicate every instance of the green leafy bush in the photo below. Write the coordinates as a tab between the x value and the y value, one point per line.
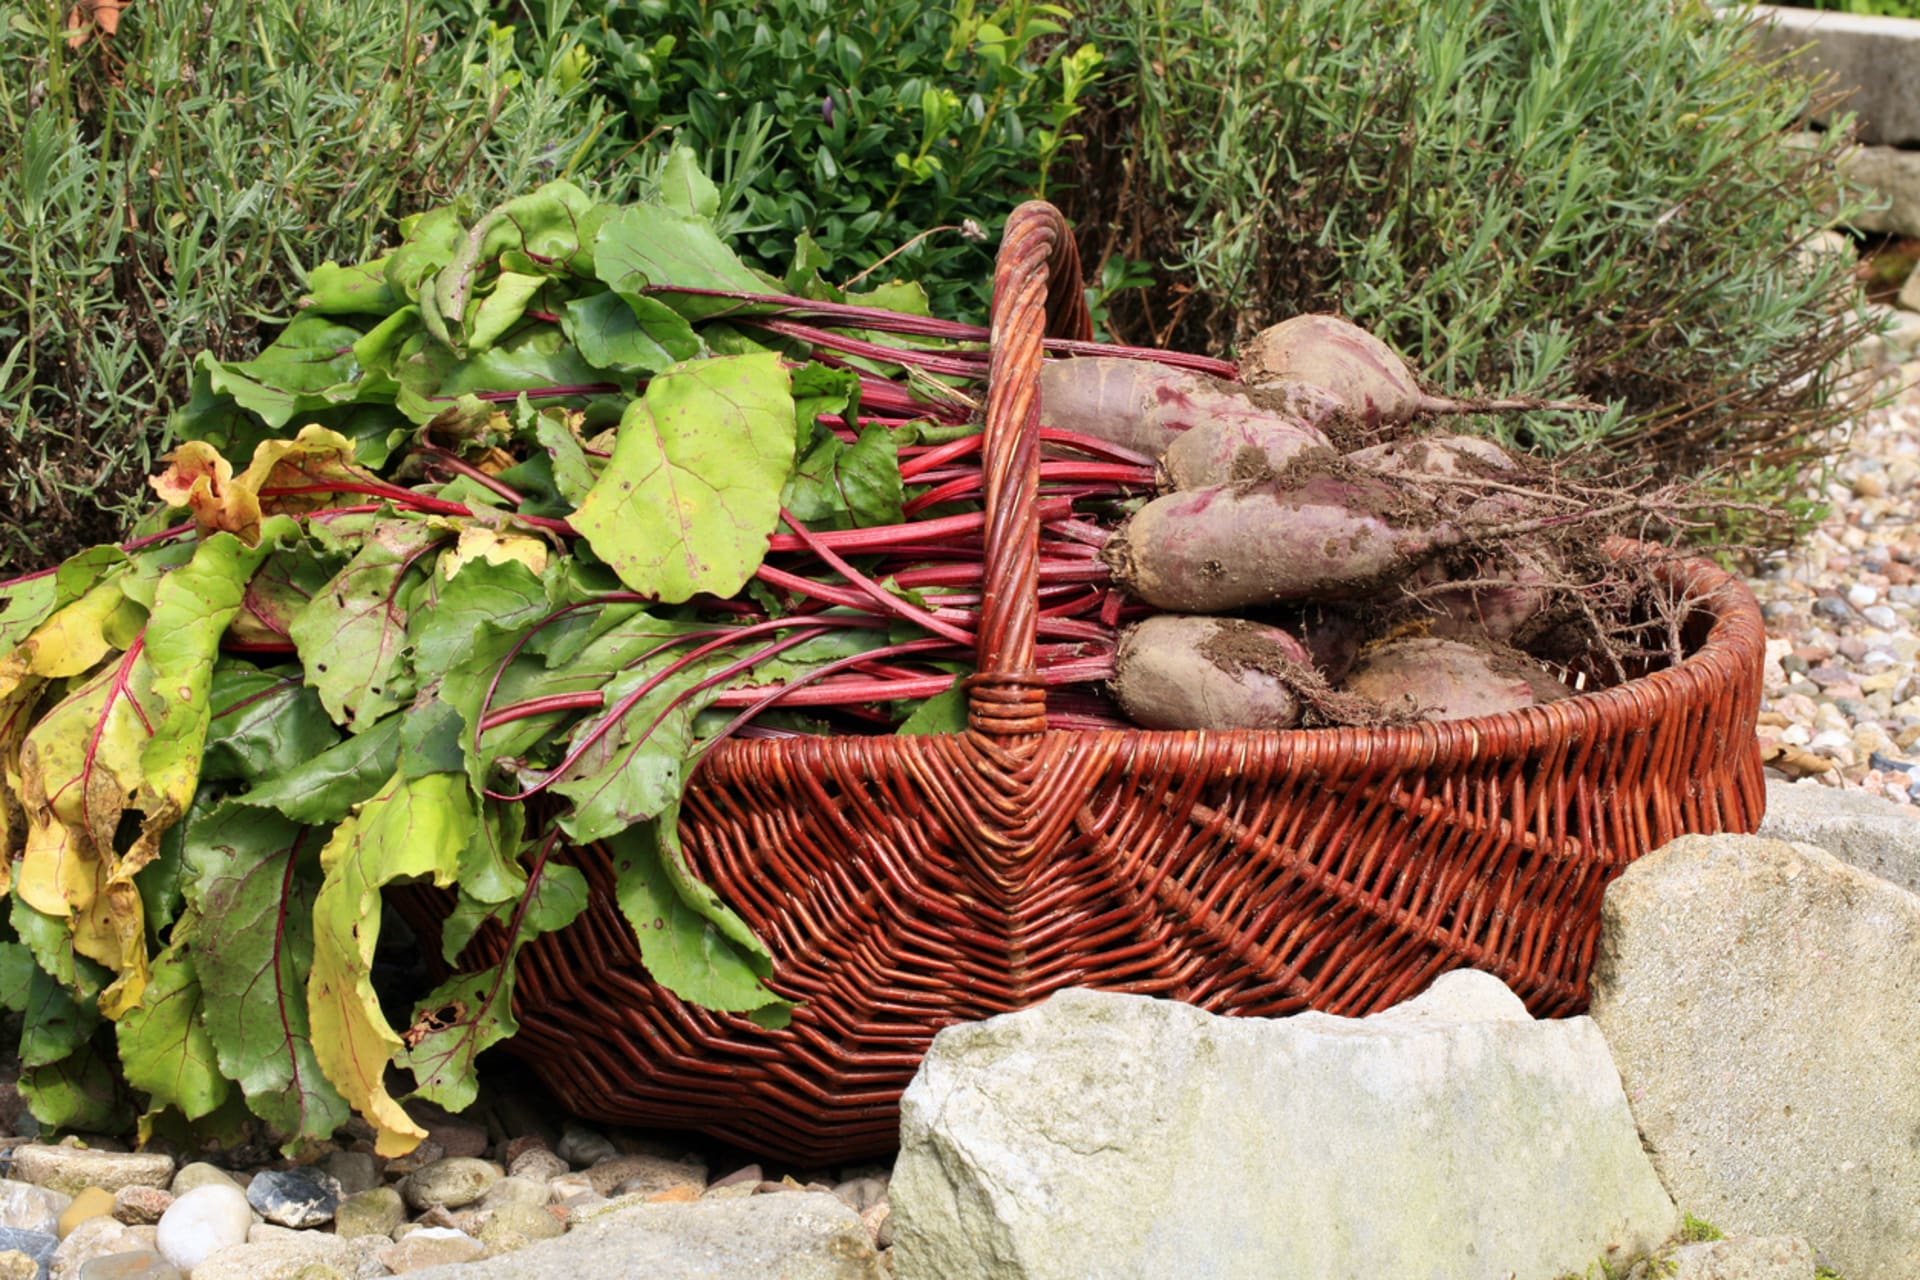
162	189
1548	196
897	129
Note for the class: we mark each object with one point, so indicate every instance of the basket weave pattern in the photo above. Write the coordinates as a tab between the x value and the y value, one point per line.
904	883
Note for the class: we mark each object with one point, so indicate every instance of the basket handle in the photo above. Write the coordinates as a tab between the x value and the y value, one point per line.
1036	294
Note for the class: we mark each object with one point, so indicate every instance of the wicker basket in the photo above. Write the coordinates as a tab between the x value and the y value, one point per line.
904	883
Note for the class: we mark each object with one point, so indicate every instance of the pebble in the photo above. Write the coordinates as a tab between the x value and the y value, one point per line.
1843	619
202	1222
200	1174
74	1169
430	1247
355	1171
581	1147
140	1264
141	1206
537	1165
628	1175
26	1207
294	1197
515	1226
92	1202
15	1265
94	1238
374	1212
452	1182
38	1245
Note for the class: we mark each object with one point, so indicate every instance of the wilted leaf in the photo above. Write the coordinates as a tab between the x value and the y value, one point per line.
693	489
415	827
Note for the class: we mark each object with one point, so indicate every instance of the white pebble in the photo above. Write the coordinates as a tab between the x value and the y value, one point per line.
1882	617
1860	595
1831	741
202	1221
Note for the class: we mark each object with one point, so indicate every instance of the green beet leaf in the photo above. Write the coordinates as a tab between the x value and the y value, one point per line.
553	900
164	1051
468	1014
691	944
646	245
16	975
251	892
692	491
360	289
311	365
846	486
507	594
326	788
264	723
629	334
352	636
80	1091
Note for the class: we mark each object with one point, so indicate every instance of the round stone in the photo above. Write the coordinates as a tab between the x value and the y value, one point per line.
376	1212
453	1182
202	1222
141	1206
74	1169
92	1202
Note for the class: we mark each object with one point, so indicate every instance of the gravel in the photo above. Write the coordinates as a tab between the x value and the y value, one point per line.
1841	706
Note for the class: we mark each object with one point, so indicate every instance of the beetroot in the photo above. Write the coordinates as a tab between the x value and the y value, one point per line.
1140	405
1238	447
1325	536
1432	679
1366	380
1436	456
1183	672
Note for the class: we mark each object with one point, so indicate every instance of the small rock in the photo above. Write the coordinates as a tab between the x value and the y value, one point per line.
1860	595
537	1164
1834	609
861	1194
520	1191
878	1220
15	1265
26	1207
513	1226
321	1271
430	1247
74	1169
200	1174
644	1174
428	1152
582	1147
682	1194
1733	1258
355	1171
288	1256
572	1188
1882	617
375	1212
521	1146
38	1245
459	1138
294	1197
141	1206
811	1236
94	1238
453	1182
92	1202
140	1264
207	1219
